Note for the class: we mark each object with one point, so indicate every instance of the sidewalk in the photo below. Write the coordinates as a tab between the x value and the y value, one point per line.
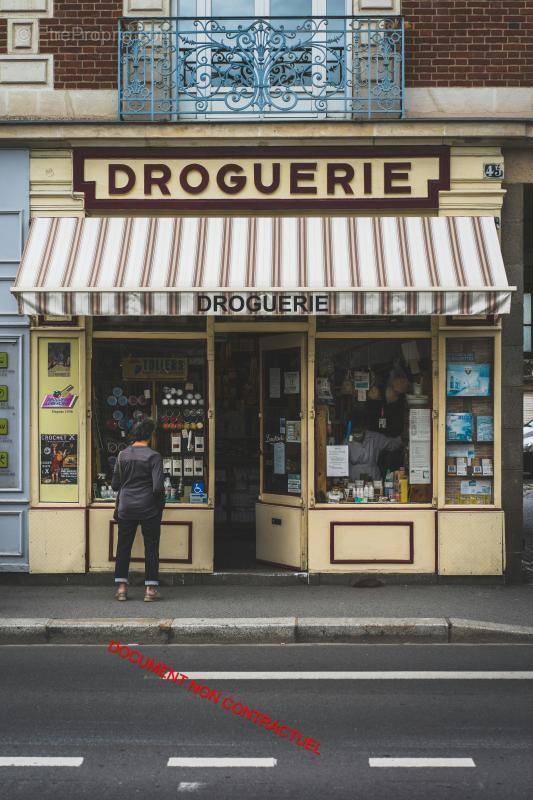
246	613
507	604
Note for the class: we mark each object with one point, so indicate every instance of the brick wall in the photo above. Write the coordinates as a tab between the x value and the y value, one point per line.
448	42
469	42
83	39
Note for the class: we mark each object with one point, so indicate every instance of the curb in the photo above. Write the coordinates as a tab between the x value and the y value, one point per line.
262	630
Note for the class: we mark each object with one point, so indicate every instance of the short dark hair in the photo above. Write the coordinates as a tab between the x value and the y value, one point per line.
142	430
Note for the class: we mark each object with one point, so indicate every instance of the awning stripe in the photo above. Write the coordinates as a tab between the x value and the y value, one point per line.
365	265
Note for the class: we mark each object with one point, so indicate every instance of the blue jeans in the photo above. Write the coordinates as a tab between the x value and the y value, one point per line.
151	531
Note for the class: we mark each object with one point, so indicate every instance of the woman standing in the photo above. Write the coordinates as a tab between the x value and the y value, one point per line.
138	478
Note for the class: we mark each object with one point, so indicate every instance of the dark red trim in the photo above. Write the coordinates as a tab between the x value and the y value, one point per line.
442	183
333	560
187	560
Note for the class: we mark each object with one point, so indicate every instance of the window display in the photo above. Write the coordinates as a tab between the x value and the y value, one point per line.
373	421
469	421
164	380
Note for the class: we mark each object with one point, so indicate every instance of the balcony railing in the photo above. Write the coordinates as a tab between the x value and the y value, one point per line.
261	68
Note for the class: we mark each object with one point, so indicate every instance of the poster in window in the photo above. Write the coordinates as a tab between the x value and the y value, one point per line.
59	359
59	458
420	446
468	380
279	458
459	427
274	382
294	431
291	382
155	368
294	484
337	461
485	428
473	488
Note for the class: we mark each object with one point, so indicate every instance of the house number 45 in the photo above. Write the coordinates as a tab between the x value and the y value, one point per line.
493	170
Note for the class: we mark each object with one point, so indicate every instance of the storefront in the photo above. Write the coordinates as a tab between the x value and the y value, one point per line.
317	336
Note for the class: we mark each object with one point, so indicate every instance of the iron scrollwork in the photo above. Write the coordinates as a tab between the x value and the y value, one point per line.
262	67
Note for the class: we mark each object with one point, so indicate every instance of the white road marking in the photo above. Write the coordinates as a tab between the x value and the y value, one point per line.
39	761
389	675
421	762
222	762
191	786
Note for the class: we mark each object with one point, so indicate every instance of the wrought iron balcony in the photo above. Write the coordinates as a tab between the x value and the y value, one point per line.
261	68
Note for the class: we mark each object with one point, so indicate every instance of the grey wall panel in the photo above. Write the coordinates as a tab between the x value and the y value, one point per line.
14	222
8	304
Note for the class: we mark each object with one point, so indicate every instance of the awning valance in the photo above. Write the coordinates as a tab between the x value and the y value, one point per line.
191	265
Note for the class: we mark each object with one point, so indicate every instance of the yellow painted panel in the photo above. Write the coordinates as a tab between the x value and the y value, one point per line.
471	542
278	534
174	540
57	540
382	542
362	541
58	487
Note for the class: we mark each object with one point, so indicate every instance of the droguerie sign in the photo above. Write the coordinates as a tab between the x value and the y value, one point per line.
262	304
253	178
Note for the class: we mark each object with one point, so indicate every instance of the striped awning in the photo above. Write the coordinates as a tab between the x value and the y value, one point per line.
362	265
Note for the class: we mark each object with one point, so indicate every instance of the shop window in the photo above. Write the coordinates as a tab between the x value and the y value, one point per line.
373	421
470	421
281	422
164	380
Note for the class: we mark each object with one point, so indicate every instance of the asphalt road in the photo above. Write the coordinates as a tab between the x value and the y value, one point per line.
82	702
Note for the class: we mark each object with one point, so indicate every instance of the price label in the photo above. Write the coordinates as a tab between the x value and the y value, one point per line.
4	360
4	393
493	170
4	459
4	427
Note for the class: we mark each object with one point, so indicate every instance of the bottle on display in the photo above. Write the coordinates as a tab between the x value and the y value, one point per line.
168	487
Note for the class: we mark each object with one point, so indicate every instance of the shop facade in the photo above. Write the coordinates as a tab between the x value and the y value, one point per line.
316	331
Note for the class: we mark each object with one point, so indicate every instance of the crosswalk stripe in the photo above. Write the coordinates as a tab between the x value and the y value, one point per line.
222	762
39	761
190	786
421	762
389	675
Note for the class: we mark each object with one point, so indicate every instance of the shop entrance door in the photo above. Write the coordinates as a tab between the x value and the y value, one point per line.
280	511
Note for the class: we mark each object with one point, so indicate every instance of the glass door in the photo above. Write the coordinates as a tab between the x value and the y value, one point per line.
231	58
283	450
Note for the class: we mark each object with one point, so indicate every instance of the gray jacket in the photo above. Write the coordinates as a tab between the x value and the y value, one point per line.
139	477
